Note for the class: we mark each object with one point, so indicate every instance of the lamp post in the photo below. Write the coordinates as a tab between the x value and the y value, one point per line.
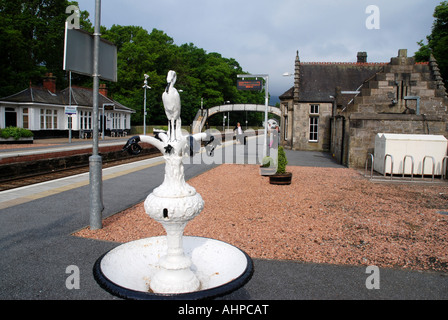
95	160
145	86
202	107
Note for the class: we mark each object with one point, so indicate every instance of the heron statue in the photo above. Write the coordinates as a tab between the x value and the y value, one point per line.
171	103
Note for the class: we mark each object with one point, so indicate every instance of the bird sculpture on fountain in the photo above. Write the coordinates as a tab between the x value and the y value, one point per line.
173	142
171	103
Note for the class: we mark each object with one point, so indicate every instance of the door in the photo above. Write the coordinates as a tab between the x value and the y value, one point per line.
10	117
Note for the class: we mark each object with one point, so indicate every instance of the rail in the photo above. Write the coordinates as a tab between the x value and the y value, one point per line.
433	166
412	166
391	165
444	162
371	168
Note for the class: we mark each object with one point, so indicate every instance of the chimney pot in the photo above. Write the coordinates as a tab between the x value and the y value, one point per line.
362	57
103	89
49	82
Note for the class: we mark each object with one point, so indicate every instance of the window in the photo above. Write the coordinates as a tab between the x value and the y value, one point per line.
85	120
48	119
314	129
285	128
116	120
25	119
314	109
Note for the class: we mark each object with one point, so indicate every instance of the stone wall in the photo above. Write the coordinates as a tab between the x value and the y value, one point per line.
405	97
301	130
362	129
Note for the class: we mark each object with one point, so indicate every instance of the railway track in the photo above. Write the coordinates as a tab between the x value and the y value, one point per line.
48	176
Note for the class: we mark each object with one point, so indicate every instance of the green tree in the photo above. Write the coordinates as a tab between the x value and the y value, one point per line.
201	76
437	41
32	39
32	42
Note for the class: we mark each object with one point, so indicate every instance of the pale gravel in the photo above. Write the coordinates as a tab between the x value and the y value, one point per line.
326	215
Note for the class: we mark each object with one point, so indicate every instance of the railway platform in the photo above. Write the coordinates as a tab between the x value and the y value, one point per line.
37	245
53	146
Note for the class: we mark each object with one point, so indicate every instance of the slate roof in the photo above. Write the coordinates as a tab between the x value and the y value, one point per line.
318	80
81	97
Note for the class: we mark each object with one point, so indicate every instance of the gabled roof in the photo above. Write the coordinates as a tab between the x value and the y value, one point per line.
318	80
36	95
82	97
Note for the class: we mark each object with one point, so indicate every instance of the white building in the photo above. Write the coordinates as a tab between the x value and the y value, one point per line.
42	110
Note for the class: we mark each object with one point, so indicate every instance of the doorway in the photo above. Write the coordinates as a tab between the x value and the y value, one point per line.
10	117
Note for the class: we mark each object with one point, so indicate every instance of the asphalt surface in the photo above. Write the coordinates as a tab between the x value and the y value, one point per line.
37	249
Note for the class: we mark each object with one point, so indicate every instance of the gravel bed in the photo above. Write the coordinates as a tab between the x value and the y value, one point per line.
326	215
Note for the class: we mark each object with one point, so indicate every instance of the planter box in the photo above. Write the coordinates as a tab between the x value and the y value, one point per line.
14	141
281	179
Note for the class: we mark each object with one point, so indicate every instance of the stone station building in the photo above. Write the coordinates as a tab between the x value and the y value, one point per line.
340	107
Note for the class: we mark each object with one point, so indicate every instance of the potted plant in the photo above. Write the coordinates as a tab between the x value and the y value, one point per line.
268	167
281	176
15	135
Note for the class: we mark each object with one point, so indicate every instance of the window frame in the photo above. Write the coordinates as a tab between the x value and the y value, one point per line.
313	129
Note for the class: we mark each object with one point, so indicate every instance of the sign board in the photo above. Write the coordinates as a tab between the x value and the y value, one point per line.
108	107
251	85
71	109
78	55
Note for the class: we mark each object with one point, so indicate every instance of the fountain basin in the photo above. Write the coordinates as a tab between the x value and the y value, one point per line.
126	270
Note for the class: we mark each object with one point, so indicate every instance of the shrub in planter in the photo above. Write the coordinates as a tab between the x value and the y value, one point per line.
281	176
15	133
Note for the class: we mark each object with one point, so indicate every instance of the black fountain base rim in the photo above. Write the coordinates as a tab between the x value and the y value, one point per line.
211	293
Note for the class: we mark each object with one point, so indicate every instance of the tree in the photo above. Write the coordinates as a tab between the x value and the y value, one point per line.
32	39
437	40
32	42
201	76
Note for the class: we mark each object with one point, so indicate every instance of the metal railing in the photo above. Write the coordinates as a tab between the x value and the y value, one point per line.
412	166
444	162
371	168
433	166
371	157
391	165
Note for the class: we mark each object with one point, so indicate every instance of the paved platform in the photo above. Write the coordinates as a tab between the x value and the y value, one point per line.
49	146
36	223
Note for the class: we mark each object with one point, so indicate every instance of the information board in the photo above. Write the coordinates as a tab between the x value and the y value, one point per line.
70	109
78	55
251	85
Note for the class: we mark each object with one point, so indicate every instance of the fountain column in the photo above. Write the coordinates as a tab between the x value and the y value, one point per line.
173	204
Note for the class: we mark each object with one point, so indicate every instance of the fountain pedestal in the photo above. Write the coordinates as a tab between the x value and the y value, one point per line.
173	204
173	266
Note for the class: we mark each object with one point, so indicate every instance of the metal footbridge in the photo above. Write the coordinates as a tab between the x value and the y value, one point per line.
203	114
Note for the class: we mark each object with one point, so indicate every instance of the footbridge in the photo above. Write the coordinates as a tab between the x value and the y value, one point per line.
202	115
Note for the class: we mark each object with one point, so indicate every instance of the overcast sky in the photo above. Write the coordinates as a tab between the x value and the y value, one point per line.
264	35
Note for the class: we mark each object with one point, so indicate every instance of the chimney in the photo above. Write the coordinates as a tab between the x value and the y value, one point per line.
103	89
49	82
362	57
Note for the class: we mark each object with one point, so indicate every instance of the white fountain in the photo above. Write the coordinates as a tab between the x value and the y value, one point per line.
173	266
